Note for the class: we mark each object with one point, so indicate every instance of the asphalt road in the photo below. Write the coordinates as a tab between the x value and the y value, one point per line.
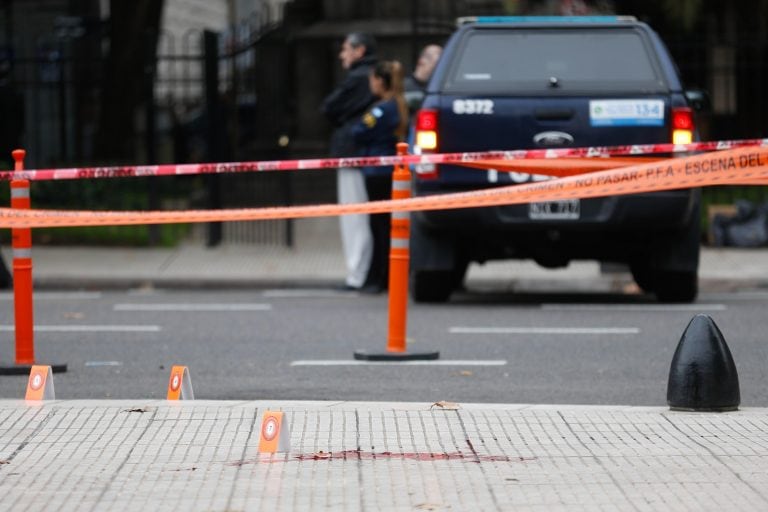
494	347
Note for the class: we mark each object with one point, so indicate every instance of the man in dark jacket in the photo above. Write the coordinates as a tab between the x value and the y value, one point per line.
343	107
416	83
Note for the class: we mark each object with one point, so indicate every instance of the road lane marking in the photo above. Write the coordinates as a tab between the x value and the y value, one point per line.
308	294
183	307
438	362
544	330
634	307
737	295
88	328
93	364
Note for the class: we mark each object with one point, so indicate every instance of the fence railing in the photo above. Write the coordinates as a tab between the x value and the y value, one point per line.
59	101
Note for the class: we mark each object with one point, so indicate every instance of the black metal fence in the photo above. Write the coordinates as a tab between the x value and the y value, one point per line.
233	96
208	87
735	76
203	102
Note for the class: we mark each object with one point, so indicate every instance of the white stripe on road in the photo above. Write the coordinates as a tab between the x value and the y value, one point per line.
634	307
736	296
88	328
544	330
299	293
436	362
192	307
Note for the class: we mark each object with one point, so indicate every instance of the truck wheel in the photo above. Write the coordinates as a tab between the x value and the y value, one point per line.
432	285
677	286
459	273
672	270
643	275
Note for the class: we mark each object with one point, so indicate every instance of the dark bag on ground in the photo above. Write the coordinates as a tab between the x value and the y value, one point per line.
748	228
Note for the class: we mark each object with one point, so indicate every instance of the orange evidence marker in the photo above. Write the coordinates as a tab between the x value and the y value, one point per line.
40	385
180	384
275	434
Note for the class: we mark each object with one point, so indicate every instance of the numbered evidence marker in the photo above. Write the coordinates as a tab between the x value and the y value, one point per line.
180	384
40	385
275	433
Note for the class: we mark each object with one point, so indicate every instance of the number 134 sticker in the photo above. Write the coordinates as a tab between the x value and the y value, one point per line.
626	112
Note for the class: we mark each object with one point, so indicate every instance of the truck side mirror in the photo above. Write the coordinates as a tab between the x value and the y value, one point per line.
699	100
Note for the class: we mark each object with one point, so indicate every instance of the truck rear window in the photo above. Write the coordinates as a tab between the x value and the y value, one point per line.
554	61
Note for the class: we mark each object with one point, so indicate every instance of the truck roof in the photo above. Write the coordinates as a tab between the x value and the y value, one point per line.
544	20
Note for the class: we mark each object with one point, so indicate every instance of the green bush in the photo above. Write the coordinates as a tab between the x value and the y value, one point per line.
169	235
117	194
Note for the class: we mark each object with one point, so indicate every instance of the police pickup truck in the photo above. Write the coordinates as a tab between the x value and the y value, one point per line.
506	83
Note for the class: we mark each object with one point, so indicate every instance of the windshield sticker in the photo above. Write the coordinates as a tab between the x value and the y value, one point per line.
626	113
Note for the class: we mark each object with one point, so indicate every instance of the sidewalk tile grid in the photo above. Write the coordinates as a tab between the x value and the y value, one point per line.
117	456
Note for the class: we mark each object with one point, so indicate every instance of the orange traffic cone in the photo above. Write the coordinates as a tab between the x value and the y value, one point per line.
399	260
22	280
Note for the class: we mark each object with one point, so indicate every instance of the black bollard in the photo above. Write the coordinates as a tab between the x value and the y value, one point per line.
703	376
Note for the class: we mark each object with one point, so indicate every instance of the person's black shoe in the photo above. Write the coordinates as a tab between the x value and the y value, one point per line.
346	288
372	289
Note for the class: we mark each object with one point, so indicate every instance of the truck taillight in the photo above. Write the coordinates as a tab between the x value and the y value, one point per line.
426	129
426	141
682	125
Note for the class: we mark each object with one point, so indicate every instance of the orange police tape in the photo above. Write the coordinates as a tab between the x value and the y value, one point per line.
127	171
559	167
729	167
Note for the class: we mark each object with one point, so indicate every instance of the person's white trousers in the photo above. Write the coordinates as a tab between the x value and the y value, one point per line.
356	238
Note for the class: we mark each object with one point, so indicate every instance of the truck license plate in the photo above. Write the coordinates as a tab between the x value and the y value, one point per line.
555	210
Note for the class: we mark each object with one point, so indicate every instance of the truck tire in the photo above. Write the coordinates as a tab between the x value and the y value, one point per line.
437	266
676	286
670	270
643	275
432	285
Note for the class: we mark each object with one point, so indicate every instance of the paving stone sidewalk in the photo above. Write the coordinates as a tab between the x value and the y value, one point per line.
202	455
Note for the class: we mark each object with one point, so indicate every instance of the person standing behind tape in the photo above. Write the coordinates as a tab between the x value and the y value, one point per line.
343	108
377	133
416	82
